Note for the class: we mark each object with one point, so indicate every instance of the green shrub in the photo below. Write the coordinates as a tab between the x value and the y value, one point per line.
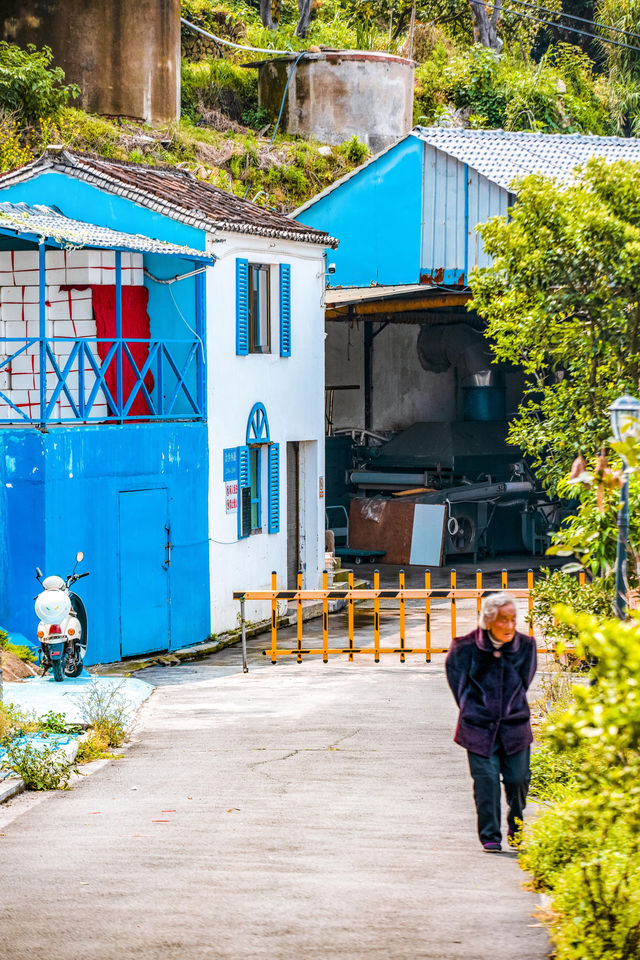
598	902
30	89
218	85
41	769
256	117
94	746
561	835
557	587
487	89
354	151
106	710
584	849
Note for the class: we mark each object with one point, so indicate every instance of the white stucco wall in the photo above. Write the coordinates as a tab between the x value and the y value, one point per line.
292	391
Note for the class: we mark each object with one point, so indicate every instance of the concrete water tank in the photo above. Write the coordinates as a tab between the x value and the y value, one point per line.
123	54
335	94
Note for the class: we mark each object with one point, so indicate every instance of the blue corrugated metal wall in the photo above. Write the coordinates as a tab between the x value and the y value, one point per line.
455	199
409	216
60	493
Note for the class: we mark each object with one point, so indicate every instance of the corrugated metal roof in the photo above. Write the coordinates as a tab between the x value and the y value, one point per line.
345	295
174	193
49	223
502	155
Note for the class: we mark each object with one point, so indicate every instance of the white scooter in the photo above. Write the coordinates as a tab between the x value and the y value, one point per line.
62	630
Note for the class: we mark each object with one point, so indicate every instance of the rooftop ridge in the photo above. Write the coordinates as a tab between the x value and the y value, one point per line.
174	192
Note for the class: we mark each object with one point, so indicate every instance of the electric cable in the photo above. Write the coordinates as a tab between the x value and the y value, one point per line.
284	95
572	16
228	43
582	33
384	54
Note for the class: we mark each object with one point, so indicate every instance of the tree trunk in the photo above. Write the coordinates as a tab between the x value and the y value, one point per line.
304	12
484	26
265	14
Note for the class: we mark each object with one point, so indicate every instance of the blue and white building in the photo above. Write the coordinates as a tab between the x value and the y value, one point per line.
161	398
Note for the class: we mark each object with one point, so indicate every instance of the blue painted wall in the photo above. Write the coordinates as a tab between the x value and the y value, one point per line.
376	216
83	201
59	494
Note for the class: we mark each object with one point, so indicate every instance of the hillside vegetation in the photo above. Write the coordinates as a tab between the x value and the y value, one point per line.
537	81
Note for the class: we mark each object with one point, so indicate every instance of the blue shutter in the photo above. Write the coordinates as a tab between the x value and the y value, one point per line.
274	487
242	307
244	480
285	310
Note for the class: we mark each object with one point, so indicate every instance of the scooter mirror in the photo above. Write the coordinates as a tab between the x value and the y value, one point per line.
79	556
38	573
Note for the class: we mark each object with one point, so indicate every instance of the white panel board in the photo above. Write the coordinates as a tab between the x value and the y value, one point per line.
428	534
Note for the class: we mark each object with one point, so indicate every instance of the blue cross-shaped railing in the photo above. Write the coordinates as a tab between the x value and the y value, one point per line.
174	394
115	382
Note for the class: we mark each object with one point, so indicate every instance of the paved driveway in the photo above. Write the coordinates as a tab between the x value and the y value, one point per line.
309	812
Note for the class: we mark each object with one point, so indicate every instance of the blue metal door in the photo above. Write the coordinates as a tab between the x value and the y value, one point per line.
145	556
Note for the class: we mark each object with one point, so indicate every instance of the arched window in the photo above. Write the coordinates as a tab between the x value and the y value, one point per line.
258	425
251	460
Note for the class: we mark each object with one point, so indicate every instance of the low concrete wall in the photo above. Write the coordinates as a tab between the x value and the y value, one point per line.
333	96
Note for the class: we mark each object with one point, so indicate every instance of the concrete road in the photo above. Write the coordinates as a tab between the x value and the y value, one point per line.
309	812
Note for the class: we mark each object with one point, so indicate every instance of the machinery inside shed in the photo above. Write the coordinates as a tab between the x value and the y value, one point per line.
417	413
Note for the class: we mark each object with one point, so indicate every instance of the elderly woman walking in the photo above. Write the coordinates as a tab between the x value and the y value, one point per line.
489	671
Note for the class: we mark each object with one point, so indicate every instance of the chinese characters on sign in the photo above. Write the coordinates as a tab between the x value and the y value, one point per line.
231	496
230	477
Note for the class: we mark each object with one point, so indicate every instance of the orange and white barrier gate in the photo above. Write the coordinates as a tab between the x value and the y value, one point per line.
453	593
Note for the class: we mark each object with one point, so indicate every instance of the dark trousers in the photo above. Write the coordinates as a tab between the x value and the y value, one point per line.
486	773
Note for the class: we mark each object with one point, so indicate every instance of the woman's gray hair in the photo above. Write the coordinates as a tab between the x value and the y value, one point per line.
491	604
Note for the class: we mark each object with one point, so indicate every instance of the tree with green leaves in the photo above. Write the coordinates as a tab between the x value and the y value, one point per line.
562	302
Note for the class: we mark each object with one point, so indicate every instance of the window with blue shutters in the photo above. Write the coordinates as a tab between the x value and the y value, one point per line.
242	307
253	307
251	470
285	310
244	493
274	487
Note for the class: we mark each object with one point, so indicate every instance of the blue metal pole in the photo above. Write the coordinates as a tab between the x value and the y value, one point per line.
42	332
119	390
201	308
622	548
466	223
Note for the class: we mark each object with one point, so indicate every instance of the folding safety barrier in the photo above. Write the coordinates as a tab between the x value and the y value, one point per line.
453	593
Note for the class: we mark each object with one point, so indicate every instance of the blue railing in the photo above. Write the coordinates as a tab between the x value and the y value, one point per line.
64	380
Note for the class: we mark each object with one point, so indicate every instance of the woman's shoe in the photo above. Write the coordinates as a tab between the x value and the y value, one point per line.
493	846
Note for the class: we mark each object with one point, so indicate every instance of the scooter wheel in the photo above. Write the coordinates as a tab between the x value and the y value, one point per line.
58	673
75	670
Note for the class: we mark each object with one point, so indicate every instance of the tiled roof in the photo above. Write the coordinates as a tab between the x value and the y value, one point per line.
502	156
49	223
173	193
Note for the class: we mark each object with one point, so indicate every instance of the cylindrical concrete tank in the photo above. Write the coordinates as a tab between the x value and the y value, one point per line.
123	54
335	94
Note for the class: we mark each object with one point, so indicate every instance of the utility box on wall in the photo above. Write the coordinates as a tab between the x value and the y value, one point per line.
124	55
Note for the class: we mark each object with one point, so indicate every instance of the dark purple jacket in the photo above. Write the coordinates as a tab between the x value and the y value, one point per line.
490	687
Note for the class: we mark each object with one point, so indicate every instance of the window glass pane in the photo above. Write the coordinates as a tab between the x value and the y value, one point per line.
259	309
254	454
264	296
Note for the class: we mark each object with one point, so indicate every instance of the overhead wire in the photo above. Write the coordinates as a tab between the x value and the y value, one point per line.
561	26
572	16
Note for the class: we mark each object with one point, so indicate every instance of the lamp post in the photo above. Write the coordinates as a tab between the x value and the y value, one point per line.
623	412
